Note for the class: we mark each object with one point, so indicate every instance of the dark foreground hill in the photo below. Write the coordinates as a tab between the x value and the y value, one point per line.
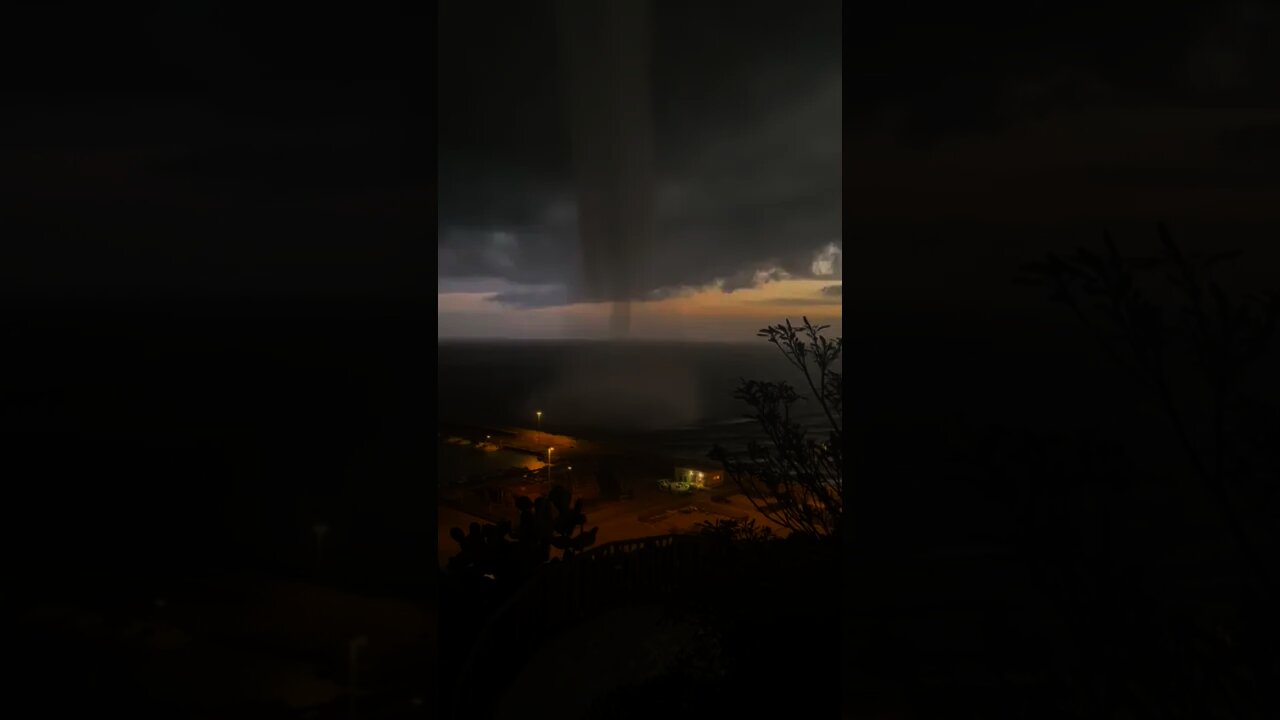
148	449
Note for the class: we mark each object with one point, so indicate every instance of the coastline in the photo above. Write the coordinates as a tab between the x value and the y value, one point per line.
643	508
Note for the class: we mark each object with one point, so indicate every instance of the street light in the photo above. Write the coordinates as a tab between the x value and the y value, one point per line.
539	420
570	469
549	463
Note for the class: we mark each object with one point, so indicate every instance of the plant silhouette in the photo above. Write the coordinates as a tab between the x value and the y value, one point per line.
507	554
1146	654
795	480
1228	338
740	531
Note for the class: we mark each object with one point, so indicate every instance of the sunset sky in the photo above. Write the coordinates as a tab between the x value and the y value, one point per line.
746	116
475	310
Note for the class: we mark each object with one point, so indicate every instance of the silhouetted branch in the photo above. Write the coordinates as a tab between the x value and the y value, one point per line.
1227	339
794	480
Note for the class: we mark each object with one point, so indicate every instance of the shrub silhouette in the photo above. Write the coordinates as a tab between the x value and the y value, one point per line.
506	555
1228	338
737	531
795	480
1151	658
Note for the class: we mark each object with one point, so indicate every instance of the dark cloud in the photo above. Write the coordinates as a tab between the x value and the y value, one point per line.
952	71
747	110
540	297
985	139
175	198
205	149
296	164
800	302
750	279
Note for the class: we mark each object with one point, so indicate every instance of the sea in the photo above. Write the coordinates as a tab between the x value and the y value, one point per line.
674	396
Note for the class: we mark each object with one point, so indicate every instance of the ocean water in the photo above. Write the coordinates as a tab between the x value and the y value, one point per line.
679	395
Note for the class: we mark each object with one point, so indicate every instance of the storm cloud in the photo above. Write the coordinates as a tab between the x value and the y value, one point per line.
747	154
199	151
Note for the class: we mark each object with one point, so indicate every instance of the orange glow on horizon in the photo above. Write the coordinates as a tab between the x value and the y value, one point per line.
709	311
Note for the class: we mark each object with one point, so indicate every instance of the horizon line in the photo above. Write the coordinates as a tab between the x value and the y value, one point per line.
474	339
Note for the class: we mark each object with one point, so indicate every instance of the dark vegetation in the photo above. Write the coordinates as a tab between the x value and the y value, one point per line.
1228	339
766	640
768	620
1122	567
498	557
164	469
1120	564
494	560
796	479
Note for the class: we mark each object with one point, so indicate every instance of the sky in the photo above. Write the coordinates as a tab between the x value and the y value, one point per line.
982	139
215	150
745	104
979	140
220	150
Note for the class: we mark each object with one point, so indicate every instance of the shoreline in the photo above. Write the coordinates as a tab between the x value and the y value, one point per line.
643	508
